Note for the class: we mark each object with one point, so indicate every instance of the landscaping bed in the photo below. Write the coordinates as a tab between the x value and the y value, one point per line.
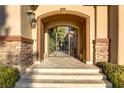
8	76
114	73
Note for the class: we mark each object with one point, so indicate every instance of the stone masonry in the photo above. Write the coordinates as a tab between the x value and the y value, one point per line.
26	55
101	47
16	53
10	52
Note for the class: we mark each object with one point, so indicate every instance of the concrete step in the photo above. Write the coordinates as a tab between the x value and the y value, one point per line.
71	73
53	70
65	76
63	84
73	66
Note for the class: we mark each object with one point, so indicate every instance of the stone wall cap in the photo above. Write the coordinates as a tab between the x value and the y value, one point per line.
15	38
101	40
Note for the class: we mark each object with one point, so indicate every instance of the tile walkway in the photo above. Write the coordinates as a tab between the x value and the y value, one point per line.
63	60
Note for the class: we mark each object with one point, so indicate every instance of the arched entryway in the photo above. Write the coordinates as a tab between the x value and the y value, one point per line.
64	17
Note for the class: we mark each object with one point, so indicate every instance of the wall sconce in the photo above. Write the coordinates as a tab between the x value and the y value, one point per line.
30	15
33	23
31	18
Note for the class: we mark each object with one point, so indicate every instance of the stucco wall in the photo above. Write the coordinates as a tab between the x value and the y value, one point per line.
121	36
62	22
11	20
14	21
101	21
26	30
83	35
113	33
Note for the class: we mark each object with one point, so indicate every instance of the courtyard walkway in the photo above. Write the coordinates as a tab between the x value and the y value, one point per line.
63	71
62	60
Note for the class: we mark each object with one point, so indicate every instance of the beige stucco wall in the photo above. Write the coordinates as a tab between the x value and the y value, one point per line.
16	21
26	30
62	22
113	33
88	10
101	21
83	42
12	21
121	36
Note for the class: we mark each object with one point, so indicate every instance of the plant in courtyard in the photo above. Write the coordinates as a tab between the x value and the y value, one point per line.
8	76
61	33
52	45
52	37
115	73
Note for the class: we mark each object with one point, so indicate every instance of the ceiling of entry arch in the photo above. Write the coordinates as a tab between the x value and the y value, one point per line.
64	17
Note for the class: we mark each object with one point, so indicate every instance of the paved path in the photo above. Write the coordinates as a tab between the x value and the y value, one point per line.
62	60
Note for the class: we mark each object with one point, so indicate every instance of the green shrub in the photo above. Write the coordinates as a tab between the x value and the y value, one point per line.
8	77
115	73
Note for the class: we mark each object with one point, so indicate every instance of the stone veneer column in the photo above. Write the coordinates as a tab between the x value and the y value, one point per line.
16	51
101	49
10	52
26	55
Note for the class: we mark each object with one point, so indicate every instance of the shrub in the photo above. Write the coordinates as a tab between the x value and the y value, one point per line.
115	73
8	77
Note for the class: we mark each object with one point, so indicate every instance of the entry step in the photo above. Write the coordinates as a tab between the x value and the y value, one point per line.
63	84
52	70
65	76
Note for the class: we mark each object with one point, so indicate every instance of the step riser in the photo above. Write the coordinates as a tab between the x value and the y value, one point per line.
59	77
63	78
64	70
48	85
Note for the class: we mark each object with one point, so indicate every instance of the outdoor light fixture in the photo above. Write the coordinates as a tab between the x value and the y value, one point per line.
31	15
31	18
33	23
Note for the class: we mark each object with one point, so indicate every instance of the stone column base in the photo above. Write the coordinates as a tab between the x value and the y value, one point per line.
16	51
89	62
101	52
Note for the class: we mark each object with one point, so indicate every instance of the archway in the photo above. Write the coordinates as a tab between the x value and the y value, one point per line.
58	18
